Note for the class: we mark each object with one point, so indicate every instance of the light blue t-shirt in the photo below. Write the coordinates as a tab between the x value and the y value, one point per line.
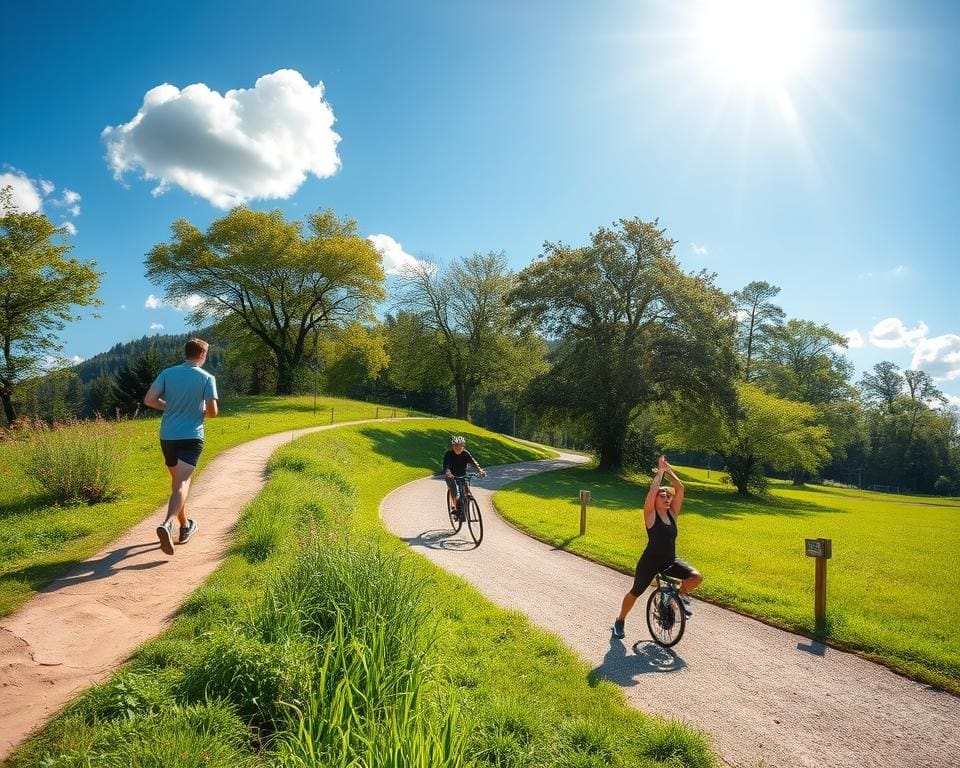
185	388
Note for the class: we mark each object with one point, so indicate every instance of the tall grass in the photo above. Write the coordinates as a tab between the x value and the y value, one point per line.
74	462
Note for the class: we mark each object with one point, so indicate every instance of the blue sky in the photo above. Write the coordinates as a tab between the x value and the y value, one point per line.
497	125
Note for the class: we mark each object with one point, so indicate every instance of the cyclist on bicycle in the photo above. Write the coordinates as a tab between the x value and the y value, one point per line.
660	511
455	463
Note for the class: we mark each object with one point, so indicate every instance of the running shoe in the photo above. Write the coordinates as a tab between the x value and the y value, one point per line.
618	629
687	606
186	531
165	534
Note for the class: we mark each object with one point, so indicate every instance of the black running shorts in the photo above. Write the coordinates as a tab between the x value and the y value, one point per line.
647	568
187	451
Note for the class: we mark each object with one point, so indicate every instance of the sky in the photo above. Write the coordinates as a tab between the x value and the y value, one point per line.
807	143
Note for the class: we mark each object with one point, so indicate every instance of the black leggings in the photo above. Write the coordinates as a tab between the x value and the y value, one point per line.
649	566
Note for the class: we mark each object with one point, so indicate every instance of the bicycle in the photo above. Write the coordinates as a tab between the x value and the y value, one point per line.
471	513
666	618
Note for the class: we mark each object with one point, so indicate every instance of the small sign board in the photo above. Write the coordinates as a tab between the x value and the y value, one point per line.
818	548
584	497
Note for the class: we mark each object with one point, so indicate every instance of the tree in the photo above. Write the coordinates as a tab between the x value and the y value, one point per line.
458	319
631	329
282	287
883	386
132	381
38	287
756	318
763	430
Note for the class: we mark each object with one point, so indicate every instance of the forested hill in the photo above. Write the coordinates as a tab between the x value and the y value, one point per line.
168	347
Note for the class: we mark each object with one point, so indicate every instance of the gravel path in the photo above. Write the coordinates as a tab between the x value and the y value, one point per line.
77	630
765	696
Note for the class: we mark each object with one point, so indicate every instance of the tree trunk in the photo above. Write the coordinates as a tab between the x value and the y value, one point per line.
464	393
8	410
611	455
285	378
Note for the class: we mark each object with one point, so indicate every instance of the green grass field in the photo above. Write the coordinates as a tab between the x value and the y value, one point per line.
892	584
39	541
515	695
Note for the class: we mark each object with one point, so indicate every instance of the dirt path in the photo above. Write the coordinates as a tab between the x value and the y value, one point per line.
765	696
78	629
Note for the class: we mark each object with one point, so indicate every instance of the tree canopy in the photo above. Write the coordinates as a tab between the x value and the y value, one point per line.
39	287
276	283
631	329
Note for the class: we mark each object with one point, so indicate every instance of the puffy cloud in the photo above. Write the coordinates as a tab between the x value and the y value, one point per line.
156	326
152	302
699	250
27	198
395	259
953	401
854	339
891	333
182	305
939	356
123	306
242	145
69	226
29	195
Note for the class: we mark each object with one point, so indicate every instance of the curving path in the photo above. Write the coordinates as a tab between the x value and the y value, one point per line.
78	629
765	696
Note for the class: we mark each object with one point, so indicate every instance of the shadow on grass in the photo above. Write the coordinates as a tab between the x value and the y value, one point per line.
624	669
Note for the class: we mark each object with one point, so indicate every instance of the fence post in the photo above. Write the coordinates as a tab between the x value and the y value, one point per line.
821	550
584	498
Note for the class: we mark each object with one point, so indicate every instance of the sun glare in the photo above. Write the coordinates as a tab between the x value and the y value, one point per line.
758	44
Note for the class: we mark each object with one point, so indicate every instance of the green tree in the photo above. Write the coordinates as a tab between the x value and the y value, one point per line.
39	286
630	328
132	381
279	285
763	430
883	386
457	321
757	317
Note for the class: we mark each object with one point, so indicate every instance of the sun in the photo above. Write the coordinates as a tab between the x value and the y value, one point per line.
758	45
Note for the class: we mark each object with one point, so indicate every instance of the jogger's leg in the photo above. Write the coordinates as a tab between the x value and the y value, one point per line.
180	476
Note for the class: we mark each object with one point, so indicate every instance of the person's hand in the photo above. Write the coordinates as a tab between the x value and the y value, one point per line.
483	473
663	466
448	474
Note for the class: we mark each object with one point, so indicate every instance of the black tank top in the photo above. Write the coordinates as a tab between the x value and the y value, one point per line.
662	538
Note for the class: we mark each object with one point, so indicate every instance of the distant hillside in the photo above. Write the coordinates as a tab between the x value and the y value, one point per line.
168	346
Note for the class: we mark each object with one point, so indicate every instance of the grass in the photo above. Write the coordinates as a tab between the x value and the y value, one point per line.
316	649
892	583
41	540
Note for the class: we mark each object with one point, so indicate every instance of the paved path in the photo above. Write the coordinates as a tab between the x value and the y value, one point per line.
78	629
764	696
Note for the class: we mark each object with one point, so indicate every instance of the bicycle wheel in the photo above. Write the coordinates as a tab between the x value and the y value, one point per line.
665	617
474	520
455	521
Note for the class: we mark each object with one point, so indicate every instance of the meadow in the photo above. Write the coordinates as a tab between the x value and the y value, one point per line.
892	583
40	540
322	641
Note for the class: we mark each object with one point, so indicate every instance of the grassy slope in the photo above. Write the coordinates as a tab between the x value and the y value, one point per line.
891	583
38	542
527	701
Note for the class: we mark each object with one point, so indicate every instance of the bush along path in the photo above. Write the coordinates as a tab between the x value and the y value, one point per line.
79	628
766	697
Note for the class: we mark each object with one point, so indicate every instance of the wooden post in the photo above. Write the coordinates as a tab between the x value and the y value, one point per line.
584	498
331	414
821	550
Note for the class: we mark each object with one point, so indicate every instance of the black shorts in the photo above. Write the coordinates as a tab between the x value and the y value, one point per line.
187	451
647	568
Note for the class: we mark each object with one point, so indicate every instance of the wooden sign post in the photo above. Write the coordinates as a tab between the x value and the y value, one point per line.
584	498
821	550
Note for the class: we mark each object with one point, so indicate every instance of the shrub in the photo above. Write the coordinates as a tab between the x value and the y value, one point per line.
943	486
75	462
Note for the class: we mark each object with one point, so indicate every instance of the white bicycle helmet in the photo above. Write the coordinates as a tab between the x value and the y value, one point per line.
458	440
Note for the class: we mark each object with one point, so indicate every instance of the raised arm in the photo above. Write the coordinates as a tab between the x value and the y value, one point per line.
678	486
648	508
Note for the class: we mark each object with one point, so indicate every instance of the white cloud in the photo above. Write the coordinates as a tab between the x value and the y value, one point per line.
395	259
898	271
854	339
69	226
29	195
75	360
891	333
156	326
152	302
953	401
26	197
258	143
182	305
699	250
123	306
939	356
